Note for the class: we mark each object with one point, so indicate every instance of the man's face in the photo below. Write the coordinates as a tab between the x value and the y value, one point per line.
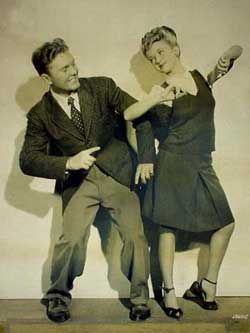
162	56
63	73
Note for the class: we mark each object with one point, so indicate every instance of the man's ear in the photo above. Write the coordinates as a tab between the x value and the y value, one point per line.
46	78
177	52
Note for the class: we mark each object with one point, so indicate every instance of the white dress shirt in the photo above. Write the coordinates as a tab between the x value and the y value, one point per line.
62	100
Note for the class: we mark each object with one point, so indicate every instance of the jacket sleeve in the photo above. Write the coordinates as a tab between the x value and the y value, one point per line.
118	98
34	157
145	140
121	100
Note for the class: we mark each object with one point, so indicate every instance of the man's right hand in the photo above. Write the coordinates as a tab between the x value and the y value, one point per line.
83	160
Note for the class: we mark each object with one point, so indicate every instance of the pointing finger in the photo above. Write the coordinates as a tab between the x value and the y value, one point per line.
92	150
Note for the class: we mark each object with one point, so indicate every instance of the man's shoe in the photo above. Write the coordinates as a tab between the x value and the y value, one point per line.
57	310
139	312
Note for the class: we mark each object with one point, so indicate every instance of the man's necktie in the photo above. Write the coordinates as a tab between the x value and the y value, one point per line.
76	116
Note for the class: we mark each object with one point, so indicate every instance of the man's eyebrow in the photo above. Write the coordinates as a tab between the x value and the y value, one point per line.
66	66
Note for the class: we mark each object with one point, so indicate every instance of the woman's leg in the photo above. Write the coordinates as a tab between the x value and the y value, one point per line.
166	258
217	249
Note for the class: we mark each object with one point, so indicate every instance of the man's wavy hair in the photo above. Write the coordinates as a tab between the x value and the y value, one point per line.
43	56
155	35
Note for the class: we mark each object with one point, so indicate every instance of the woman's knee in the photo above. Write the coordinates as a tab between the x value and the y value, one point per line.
167	234
229	228
232	227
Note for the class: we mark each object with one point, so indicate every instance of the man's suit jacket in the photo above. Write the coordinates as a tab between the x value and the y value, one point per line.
51	138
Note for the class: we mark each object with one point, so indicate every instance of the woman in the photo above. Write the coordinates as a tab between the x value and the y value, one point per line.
185	193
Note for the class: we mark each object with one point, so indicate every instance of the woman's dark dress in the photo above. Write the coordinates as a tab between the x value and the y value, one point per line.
185	192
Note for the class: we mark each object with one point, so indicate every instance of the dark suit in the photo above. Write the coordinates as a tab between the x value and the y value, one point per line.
51	138
50	130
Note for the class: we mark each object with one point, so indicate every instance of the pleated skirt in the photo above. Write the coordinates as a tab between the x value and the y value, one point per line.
186	194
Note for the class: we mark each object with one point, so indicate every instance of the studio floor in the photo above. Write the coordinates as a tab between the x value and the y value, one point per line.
111	316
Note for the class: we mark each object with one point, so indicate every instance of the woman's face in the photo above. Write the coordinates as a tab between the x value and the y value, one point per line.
163	56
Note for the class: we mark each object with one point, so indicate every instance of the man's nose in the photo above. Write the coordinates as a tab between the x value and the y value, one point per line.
73	70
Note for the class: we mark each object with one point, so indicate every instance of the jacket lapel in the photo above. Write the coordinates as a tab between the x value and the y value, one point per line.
87	105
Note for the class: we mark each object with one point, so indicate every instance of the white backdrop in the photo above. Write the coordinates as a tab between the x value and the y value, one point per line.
105	37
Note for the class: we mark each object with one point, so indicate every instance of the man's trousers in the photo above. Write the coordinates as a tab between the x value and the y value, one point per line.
99	189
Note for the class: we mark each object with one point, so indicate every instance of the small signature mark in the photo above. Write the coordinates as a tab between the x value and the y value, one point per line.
240	316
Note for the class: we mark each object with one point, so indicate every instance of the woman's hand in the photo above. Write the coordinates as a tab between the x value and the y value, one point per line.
144	172
224	63
164	94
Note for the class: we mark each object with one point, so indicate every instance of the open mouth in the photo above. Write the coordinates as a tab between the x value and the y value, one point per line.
73	79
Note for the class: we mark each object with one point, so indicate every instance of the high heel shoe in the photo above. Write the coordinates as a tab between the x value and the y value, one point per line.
171	312
198	295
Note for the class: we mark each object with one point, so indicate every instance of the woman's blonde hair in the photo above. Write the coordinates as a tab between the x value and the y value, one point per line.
160	33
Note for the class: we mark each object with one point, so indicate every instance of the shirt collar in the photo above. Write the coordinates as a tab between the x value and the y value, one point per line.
63	99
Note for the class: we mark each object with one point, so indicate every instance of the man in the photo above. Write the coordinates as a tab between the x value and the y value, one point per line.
75	135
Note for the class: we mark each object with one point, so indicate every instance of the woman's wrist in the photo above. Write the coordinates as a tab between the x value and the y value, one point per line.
68	166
